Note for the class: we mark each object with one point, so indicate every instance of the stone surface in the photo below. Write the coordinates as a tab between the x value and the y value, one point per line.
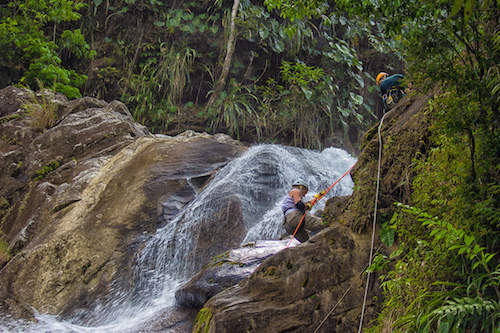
293	290
226	270
405	136
73	224
74	198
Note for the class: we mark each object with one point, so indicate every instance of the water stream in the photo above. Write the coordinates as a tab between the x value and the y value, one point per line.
256	183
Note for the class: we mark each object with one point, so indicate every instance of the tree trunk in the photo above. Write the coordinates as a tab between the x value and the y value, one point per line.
231	41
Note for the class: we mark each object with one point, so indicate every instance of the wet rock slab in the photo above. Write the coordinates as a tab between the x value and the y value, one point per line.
227	270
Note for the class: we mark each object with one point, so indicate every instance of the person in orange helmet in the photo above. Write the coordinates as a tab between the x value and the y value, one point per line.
391	88
386	82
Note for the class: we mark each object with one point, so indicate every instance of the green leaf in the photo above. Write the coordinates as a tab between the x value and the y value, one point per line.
396	253
278	45
360	80
394	218
489	257
263	33
444	327
307	92
457	5
387	235
358	99
344	112
468	9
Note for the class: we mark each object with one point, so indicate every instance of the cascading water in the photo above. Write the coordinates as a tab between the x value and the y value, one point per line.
247	192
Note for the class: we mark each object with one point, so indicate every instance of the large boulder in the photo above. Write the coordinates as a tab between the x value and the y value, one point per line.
81	191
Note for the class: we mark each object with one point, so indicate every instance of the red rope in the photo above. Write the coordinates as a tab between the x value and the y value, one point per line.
318	199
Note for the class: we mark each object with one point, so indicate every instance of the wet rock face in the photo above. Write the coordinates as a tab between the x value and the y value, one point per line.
226	270
80	192
405	135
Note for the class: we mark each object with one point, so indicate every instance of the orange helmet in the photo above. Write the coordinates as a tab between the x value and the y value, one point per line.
380	77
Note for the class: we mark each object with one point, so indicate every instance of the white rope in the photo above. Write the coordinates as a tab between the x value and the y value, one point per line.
374	223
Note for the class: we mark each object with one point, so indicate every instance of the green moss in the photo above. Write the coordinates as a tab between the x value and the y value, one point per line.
10	117
202	321
9	140
270	271
5	254
4	207
4	203
305	282
218	260
46	169
369	135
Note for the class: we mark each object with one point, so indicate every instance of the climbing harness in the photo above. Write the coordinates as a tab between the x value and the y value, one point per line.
374	222
317	198
392	97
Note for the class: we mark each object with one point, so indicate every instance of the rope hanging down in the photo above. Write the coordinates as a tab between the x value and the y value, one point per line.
318	198
374	223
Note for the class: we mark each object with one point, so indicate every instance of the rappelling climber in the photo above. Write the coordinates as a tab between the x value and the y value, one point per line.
391	89
294	209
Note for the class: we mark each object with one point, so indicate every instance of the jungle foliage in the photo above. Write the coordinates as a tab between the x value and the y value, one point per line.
163	60
37	45
445	275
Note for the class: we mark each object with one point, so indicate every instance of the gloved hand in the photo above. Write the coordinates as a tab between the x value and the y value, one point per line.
300	206
308	205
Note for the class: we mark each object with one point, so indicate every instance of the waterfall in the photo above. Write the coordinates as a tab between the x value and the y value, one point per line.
251	189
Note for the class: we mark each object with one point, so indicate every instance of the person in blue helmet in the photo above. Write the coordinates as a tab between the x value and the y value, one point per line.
294	209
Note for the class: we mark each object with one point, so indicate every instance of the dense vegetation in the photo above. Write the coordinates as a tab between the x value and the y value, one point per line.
308	82
302	72
447	275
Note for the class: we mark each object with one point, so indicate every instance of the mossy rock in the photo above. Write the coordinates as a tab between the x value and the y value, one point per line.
4	252
202	321
46	169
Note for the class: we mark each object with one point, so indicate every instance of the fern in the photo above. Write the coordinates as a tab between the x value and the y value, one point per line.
421	289
462	314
